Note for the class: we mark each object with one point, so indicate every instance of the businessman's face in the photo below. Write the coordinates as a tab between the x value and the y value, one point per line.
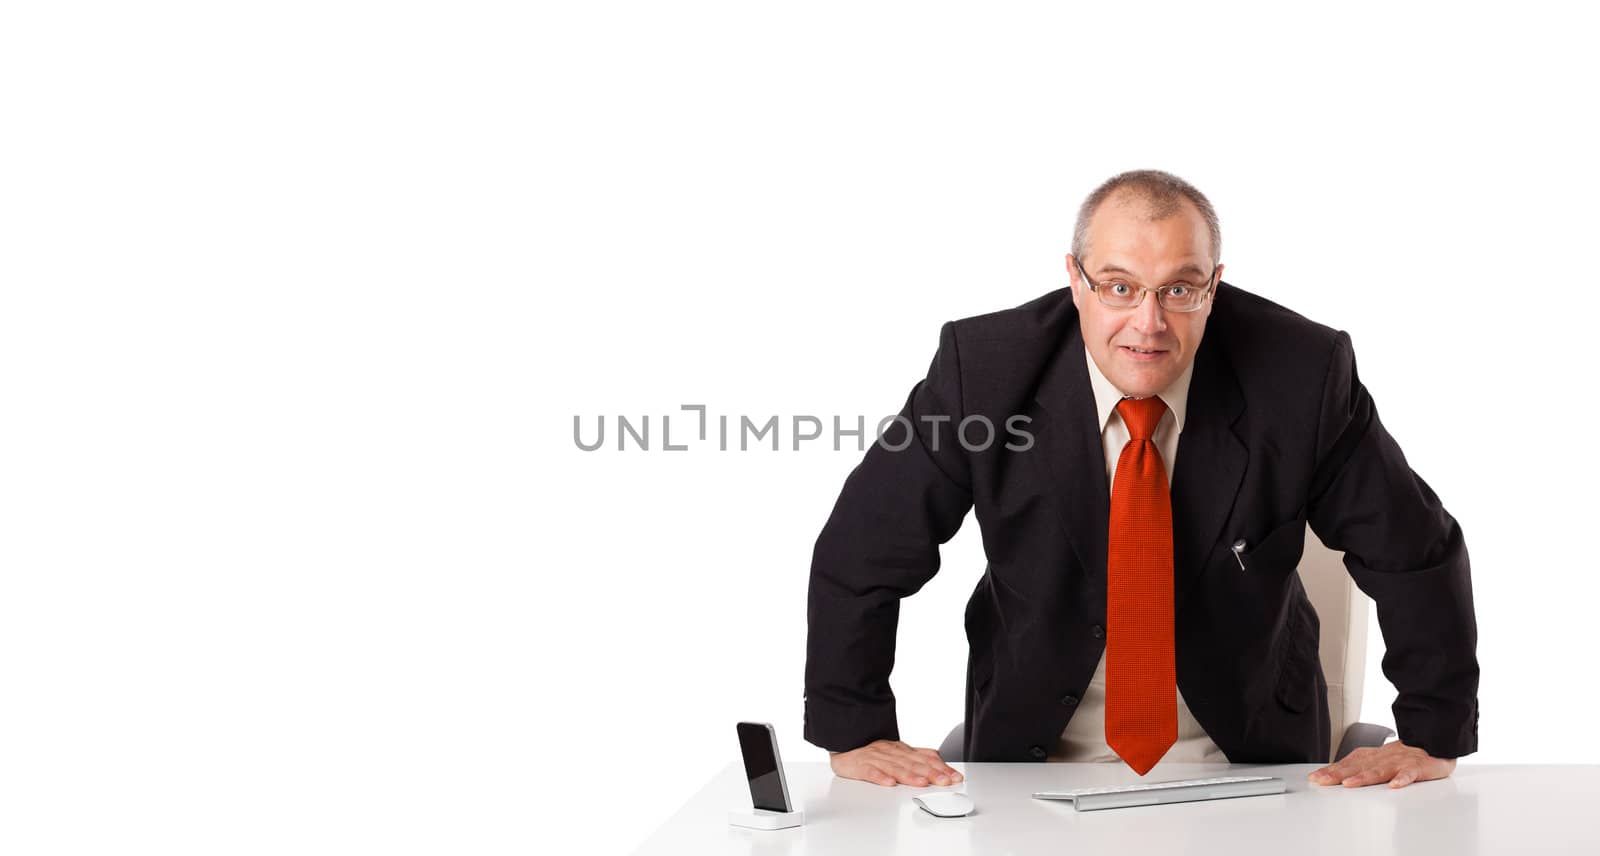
1142	350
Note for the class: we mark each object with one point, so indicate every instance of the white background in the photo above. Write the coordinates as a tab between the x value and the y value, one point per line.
300	301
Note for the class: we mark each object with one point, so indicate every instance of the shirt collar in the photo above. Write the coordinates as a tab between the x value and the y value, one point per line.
1106	396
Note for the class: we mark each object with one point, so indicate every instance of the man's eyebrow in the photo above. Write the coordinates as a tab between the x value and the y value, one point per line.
1191	268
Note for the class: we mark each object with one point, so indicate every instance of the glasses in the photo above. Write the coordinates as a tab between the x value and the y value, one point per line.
1176	297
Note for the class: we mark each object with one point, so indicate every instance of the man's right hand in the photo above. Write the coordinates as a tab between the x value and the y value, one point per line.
890	762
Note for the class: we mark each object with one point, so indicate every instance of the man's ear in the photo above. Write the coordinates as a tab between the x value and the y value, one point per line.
1072	280
1218	286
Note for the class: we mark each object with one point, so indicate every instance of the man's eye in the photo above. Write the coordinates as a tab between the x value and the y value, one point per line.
1178	290
1121	289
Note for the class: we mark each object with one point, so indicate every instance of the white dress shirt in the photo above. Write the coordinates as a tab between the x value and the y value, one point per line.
1084	738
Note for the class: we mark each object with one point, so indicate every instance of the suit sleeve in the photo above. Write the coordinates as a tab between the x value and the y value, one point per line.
908	495
1407	553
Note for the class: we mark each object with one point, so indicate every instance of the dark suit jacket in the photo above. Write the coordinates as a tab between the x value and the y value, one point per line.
1279	431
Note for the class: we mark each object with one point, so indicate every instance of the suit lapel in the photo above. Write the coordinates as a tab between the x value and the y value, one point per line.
1067	440
1211	464
1210	468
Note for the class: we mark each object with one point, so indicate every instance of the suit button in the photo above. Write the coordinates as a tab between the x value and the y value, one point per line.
1037	752
1097	632
1069	700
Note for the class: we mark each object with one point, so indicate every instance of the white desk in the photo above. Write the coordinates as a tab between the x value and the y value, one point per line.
1478	809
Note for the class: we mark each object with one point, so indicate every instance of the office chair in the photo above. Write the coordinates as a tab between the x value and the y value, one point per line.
1340	606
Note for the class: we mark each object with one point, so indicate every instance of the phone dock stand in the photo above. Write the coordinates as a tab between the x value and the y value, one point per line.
760	818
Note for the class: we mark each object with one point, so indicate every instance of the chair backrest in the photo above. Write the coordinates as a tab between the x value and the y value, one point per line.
1342	611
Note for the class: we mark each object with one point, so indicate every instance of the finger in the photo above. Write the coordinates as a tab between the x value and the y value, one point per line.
876	776
1405	777
933	757
855	766
919	765
900	771
938	764
913	766
864	765
1332	774
1357	762
1370	776
934	776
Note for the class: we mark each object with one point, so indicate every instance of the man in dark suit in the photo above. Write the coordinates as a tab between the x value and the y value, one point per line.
1183	593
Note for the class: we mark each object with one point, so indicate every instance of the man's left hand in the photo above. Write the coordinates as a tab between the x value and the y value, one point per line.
1395	763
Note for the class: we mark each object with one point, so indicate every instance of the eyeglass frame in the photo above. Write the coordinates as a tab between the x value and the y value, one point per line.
1211	286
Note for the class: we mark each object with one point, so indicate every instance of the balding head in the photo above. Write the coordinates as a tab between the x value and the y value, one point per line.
1152	195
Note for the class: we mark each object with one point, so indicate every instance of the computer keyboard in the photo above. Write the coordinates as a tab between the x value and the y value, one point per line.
1158	793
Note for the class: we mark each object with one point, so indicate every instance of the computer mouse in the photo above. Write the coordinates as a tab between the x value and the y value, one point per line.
945	803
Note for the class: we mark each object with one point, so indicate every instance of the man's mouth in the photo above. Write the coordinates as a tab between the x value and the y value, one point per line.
1142	352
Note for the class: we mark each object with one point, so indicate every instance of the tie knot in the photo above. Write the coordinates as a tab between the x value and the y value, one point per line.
1141	415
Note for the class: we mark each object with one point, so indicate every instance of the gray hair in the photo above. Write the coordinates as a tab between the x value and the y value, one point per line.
1163	192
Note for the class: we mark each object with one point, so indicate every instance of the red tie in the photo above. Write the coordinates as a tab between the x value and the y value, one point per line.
1141	676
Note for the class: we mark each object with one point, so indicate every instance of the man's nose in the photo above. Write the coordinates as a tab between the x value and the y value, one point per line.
1148	317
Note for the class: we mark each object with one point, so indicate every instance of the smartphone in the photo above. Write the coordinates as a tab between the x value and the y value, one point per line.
758	743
